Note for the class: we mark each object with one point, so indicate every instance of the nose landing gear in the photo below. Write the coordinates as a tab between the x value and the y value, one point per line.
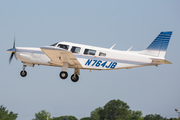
23	73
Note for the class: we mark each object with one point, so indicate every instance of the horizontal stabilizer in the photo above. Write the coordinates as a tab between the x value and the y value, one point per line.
160	61
167	62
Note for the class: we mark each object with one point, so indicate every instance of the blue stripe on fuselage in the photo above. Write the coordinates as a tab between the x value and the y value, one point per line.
110	59
90	57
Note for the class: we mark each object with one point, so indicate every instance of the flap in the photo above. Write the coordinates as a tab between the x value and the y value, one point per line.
59	56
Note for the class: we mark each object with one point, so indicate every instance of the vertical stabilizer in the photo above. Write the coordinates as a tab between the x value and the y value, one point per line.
159	46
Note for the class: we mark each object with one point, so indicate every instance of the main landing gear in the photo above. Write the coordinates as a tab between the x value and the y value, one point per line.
23	73
63	74
74	77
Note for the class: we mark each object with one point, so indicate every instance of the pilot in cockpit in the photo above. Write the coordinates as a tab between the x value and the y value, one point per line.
63	46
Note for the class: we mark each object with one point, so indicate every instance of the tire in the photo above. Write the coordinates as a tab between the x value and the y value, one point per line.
23	73
63	75
74	79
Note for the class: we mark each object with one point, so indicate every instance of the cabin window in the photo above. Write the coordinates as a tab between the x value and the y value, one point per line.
66	47
102	54
89	52
75	49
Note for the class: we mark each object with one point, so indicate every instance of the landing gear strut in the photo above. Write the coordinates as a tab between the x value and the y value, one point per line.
23	73
63	74
75	76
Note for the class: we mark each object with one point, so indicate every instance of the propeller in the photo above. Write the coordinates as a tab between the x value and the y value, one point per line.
12	51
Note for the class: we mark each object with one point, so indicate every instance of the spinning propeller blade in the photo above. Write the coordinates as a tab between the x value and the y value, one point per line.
12	51
14	43
11	57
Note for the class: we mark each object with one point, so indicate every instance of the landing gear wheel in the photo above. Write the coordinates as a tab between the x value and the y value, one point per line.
75	78
23	73
63	75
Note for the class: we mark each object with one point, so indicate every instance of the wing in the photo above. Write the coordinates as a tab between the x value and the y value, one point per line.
59	56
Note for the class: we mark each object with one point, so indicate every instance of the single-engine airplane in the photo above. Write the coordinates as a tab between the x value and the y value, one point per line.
78	56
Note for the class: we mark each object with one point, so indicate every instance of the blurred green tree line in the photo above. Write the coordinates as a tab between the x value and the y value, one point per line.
113	110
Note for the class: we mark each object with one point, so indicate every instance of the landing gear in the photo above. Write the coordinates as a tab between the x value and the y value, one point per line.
63	75
74	77
23	73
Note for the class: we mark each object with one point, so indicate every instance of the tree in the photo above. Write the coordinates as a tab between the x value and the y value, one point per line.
95	113
135	115
87	118
154	117
4	115
42	115
174	119
65	118
114	110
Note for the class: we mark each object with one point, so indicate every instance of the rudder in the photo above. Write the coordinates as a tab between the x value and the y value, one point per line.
159	46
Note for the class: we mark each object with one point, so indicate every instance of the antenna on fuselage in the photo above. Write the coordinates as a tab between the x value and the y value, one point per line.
112	46
129	49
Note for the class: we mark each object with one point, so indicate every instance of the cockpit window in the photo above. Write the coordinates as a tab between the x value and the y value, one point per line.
89	52
75	49
66	47
54	44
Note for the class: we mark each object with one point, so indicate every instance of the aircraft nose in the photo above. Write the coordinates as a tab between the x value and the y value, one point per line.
11	50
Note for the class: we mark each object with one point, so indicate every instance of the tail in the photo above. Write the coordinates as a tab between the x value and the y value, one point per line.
159	46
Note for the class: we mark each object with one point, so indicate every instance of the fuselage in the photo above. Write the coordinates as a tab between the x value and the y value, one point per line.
96	59
79	56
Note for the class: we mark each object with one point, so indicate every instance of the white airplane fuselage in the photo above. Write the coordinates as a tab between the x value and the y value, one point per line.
79	56
114	59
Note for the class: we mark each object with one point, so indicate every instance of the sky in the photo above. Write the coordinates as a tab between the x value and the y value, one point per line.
152	90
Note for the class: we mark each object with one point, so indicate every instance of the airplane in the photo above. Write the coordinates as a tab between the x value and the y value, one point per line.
79	56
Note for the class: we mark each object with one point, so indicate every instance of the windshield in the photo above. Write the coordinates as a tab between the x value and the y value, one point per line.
66	47
54	44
